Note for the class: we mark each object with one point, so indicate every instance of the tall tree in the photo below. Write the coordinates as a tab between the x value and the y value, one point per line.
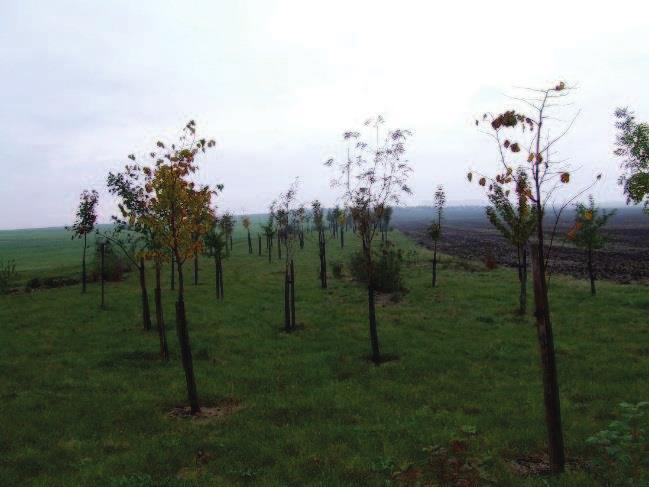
376	178
632	145
180	210
516	223
586	233
84	223
435	228
530	141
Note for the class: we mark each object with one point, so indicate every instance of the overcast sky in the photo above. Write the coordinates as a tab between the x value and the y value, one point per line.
83	84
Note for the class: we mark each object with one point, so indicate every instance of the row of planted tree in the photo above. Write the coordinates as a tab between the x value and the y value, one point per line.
165	216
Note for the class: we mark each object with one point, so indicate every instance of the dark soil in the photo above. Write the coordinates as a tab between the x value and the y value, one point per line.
625	257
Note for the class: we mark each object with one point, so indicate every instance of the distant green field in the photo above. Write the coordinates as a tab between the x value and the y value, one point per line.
84	398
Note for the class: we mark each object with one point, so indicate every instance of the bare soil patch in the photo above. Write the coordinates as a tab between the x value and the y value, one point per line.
207	414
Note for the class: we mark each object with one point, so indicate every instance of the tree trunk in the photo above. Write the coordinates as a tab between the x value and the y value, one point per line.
259	238
293	320
183	340
287	307
83	265
374	336
323	260
279	246
173	273
231	247
146	312
548	363
217	277
249	243
221	277
434	263
269	245
195	269
103	275
591	272
342	237
522	277
162	333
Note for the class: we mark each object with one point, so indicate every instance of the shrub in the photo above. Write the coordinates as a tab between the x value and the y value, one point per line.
337	269
623	446
489	260
8	275
387	268
115	264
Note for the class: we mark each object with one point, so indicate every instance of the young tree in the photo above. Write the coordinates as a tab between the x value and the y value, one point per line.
246	224
130	232
301	218
633	147
376	177
385	223
287	216
518	135
342	218
84	223
269	232
181	210
515	223
215	243
227	222
318	221
435	228
586	233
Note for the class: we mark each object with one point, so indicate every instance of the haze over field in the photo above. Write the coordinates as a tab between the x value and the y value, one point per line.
276	83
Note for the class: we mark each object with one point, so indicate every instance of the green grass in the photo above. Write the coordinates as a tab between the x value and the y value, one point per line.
84	398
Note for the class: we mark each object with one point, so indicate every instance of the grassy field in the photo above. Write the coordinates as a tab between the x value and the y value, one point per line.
84	399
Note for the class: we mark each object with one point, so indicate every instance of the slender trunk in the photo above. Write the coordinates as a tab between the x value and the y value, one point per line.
146	312
103	275
269	246
548	363
249	243
522	277
183	340
323	260
374	335
259	238
287	307
231	247
83	264
173	272
279	246
221	277
195	269
434	263
293	321
342	237
164	348
591	272
217	277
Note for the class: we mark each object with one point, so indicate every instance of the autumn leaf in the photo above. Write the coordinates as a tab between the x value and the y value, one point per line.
469	176
565	177
482	181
